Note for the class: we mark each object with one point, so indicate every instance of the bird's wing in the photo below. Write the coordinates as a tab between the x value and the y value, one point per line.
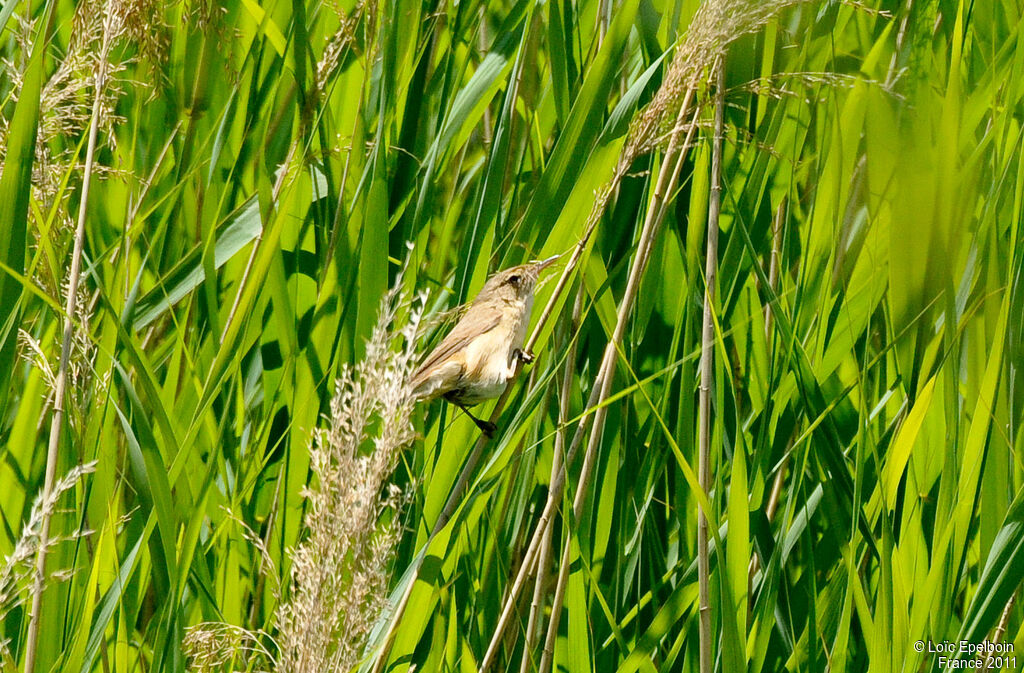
438	380
472	325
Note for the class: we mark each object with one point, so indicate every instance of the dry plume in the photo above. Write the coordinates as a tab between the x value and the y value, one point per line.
338	584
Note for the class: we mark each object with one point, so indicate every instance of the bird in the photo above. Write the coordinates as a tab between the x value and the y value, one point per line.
476	360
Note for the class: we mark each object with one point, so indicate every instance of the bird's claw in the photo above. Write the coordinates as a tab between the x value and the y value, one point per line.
524	357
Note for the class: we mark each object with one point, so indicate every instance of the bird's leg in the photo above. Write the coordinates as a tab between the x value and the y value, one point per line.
486	427
523	356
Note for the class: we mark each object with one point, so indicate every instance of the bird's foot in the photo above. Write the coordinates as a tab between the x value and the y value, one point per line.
524	357
488	429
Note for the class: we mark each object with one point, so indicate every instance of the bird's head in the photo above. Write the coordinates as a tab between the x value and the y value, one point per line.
516	283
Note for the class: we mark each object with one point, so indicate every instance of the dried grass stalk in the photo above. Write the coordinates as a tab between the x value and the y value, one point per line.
716	25
340	571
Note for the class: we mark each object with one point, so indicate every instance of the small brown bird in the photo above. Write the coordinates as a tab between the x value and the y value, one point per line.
478	357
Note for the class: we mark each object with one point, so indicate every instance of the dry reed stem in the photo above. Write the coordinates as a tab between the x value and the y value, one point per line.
32	637
707	363
602	384
544	556
86	66
671	165
1000	631
715	25
702	43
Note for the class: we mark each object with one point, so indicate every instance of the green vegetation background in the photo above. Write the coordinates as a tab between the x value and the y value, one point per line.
260	167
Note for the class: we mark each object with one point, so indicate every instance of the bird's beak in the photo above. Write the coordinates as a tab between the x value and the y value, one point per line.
545	263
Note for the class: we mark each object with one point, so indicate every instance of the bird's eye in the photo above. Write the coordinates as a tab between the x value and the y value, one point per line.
514	279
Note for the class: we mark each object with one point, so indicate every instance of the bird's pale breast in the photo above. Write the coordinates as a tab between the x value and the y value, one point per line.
487	366
489	358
